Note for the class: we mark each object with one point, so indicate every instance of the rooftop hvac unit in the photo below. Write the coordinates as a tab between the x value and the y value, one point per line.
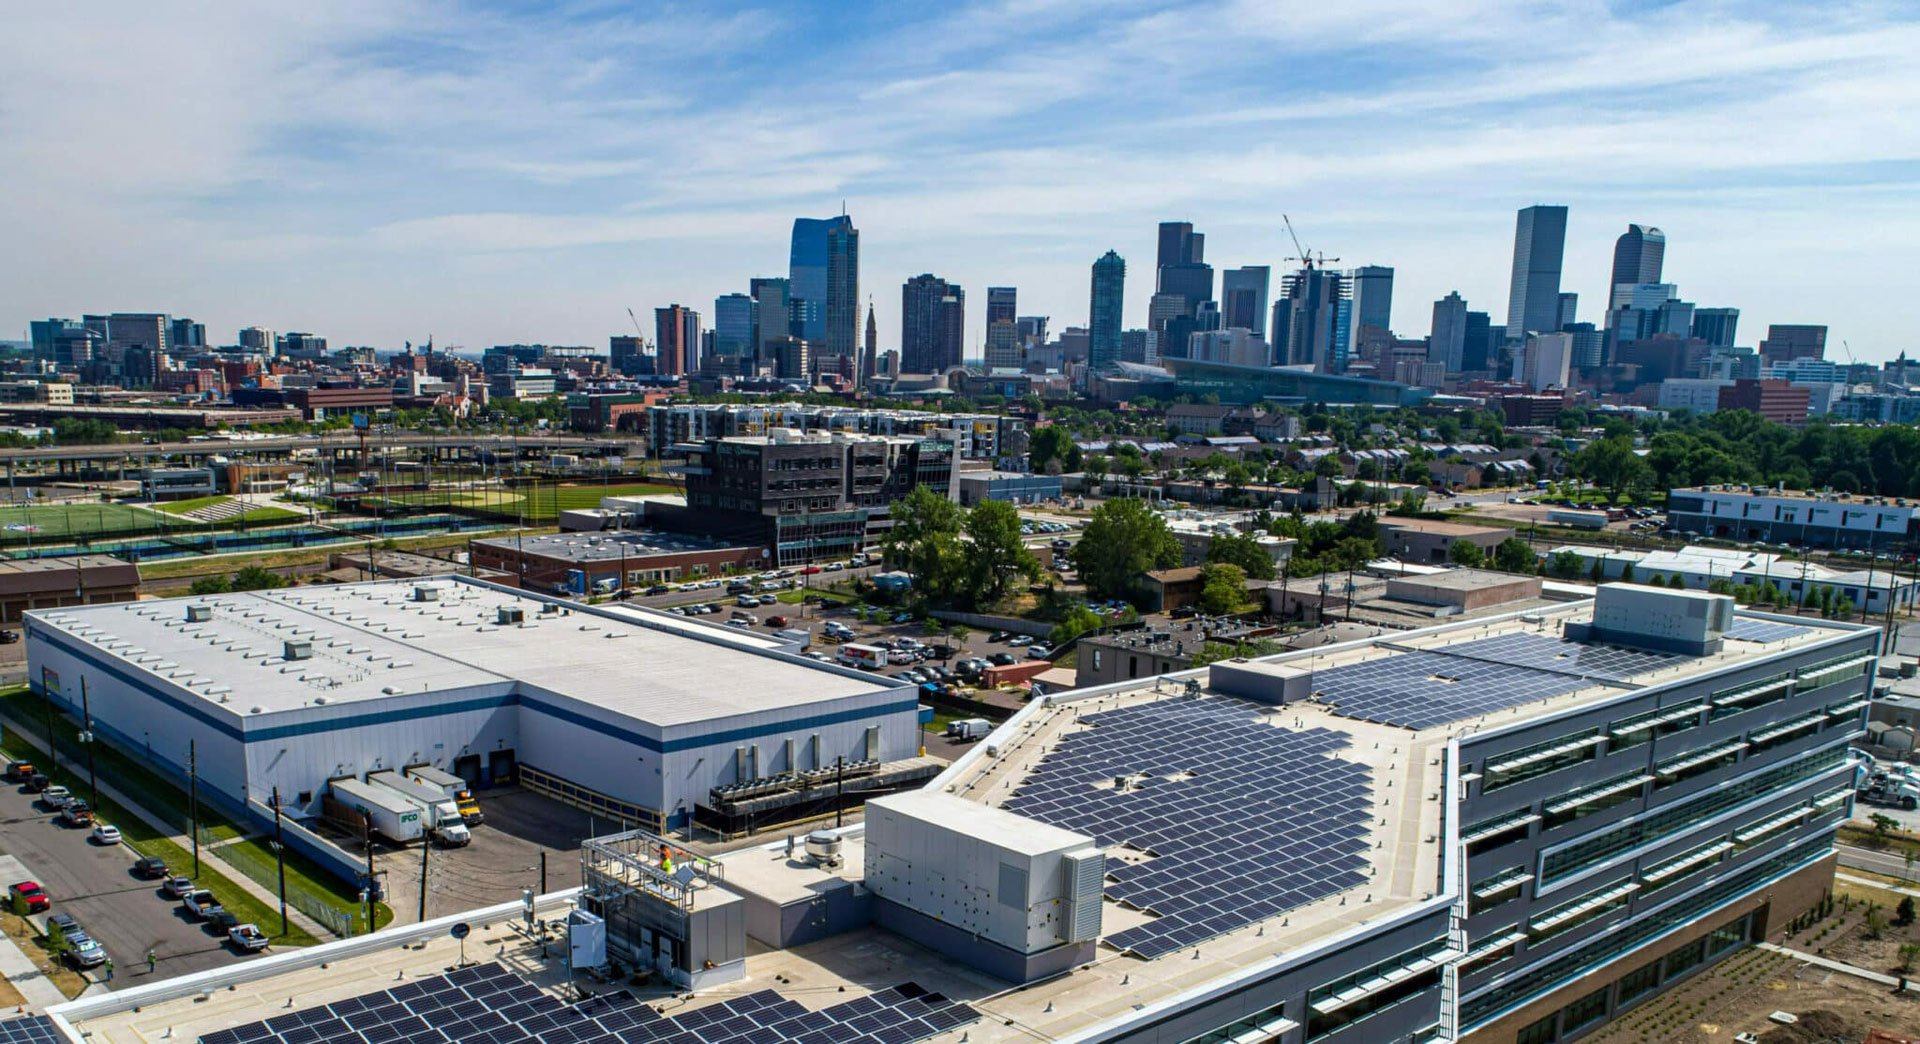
549	608
426	593
511	614
297	651
199	613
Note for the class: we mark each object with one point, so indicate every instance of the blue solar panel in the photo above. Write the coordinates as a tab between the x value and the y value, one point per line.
1228	807
1764	631
1547	653
1419	690
895	1015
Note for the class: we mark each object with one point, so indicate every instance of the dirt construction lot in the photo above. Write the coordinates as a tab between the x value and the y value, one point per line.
1740	993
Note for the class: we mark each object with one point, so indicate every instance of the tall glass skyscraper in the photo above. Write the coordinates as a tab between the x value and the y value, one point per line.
1372	289
1539	246
1103	318
932	324
733	325
1243	298
1637	258
823	272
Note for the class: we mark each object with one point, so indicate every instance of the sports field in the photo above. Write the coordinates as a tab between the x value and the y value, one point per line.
65	522
542	503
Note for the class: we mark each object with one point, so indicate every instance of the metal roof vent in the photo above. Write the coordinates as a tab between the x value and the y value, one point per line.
511	614
426	593
297	651
199	613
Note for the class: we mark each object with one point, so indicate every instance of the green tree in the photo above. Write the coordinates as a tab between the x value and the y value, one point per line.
1327	466
1598	574
1223	589
1611	463
993	556
1514	556
1466	553
216	584
925	541
1677	582
1882	825
1626	572
1123	540
1903	914
1564	565
1078	621
1047	444
1243	550
257	578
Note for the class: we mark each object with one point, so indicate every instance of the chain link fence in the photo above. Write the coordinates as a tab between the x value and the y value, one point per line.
264	869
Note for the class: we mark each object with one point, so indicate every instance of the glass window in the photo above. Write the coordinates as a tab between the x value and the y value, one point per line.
1616	791
1538	759
1748	695
1541	1032
1663	721
1683	814
1584	1012
1686	958
1693	763
1640	982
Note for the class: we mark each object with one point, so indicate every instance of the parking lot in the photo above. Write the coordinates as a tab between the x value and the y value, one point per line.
96	884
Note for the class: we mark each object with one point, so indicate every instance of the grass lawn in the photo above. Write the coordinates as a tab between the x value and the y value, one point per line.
181	507
796	596
34	945
541	502
163	797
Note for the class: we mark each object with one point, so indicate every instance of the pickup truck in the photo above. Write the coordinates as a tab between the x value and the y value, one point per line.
75	946
18	771
248	937
76	813
200	904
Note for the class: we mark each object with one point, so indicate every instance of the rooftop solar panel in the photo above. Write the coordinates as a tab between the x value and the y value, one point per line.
1212	812
1763	631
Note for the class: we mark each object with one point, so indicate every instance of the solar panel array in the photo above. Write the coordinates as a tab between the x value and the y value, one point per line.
1418	690
1547	653
487	1004
34	1029
1764	631
1243	820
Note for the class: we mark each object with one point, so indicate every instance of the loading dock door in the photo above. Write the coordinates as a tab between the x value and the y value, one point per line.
467	767
500	767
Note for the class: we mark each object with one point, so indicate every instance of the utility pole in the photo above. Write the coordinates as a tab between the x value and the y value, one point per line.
280	852
366	836
426	847
193	803
543	871
86	737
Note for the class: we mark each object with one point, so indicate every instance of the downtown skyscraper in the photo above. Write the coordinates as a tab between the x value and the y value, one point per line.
823	273
1637	258
1104	309
932	324
1243	298
1003	328
1533	296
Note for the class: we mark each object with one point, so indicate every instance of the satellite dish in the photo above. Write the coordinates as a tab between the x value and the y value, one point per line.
460	930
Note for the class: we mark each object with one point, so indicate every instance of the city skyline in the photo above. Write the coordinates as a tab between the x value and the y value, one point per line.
379	175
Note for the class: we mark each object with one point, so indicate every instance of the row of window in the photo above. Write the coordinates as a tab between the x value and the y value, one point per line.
1633	933
1658	825
1369	991
1575	747
1584	1013
1266	1021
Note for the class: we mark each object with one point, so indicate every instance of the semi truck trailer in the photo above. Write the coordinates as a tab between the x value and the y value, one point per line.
443	816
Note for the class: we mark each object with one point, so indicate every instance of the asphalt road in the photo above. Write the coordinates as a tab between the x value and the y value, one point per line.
1878	862
96	884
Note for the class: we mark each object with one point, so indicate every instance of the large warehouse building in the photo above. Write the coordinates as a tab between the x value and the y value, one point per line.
637	715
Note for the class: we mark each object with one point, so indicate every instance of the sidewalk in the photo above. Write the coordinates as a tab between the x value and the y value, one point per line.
1882	885
19	968
208	853
1842	967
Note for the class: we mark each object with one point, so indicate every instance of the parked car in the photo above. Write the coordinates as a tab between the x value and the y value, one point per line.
746	601
776	620
30	894
38	782
658	589
178	887
19	771
106	834
1020	641
76	813
999	636
248	937
1039	651
55	797
1002	659
150	867
222	921
200	904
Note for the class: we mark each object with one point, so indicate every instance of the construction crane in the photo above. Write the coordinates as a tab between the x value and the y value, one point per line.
1849	348
635	320
1305	256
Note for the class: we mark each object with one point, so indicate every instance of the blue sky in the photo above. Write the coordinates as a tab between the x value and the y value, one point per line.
385	169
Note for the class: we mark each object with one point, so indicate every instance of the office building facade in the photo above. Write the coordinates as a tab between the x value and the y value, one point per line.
1716	326
1243	298
1104	308
1447	344
1638	256
932	324
676	339
1786	342
1539	246
733	326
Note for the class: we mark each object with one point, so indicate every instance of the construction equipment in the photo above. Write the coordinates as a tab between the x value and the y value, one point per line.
1305	256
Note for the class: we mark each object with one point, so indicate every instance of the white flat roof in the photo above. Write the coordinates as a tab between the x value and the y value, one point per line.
373	641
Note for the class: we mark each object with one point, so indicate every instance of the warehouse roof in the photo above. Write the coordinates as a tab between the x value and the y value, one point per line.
629	544
390	638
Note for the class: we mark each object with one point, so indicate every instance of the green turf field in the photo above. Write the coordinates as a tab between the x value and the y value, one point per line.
546	502
63	522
